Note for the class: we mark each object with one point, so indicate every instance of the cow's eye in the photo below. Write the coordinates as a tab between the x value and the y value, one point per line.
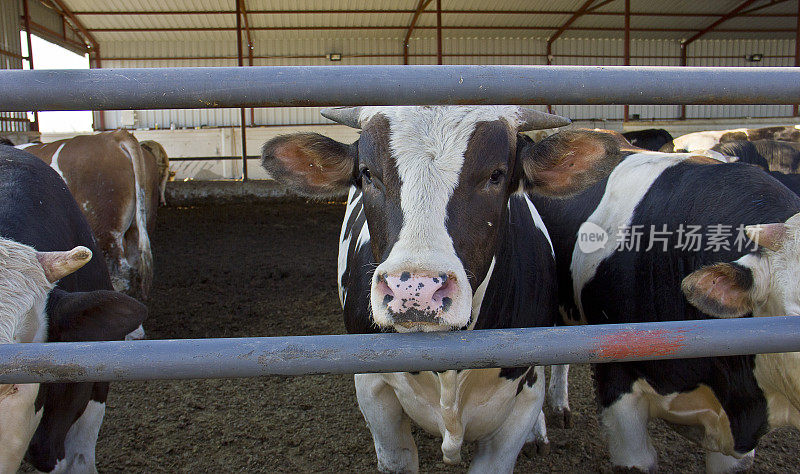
365	175
496	176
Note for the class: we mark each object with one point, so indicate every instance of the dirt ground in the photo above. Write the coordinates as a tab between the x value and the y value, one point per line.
270	270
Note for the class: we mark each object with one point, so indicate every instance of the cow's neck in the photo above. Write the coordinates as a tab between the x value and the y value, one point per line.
778	375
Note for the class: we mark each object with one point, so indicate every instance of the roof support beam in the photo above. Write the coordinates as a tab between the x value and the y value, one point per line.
761	7
85	32
444	27
591	12
581	11
420	7
731	14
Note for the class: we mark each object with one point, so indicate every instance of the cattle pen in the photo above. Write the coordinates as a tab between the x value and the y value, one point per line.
356	85
395	85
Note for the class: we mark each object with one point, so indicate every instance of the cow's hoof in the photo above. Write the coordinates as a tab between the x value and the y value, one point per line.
536	448
562	418
628	470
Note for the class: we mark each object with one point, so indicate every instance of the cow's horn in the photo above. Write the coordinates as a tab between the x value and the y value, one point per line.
57	265
769	236
530	119
343	115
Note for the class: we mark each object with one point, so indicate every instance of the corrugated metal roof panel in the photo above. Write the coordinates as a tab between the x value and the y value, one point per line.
401	20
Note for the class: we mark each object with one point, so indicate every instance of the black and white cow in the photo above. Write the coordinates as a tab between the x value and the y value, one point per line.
649	139
698	141
725	404
439	235
771	155
49	293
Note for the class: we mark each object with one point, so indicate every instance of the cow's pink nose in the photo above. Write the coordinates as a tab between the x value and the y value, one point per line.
416	298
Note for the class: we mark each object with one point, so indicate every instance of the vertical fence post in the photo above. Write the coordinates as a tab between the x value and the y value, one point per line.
627	48
242	119
35	124
683	63
439	32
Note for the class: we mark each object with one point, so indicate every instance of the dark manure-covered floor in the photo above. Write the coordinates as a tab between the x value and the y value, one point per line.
269	269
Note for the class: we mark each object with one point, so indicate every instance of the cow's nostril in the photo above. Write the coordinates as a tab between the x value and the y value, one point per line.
383	287
445	292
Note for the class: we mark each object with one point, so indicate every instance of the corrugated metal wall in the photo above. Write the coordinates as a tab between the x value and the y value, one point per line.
567	51
10	11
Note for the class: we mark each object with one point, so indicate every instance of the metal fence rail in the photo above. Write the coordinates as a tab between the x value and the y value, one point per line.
166	88
276	86
300	355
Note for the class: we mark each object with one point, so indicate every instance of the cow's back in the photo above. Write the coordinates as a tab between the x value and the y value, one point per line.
100	177
647	283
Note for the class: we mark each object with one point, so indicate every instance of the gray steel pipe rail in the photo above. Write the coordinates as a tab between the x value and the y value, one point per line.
301	355
279	86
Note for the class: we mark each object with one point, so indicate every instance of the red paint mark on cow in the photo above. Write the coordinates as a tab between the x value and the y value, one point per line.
639	343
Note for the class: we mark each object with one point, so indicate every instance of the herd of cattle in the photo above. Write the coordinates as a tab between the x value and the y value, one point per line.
455	220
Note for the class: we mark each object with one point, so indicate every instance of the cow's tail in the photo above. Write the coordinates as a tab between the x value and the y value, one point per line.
131	148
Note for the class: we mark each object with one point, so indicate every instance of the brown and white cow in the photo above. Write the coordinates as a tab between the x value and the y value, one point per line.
49	293
107	175
154	149
439	234
698	141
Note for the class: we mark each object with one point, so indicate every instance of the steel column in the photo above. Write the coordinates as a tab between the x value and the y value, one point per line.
35	125
627	50
243	123
684	61
301	355
300	86
438	31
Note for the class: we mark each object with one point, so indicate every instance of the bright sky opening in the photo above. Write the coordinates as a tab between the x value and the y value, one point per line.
47	55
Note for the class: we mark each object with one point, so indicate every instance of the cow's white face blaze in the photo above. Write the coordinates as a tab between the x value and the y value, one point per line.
422	282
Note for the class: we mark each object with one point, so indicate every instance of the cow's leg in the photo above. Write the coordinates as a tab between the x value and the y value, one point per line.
537	441
388	423
18	422
718	463
625	425
498	453
558	395
79	445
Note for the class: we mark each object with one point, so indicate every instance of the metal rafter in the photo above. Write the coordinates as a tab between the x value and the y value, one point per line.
420	7
731	14
85	32
569	22
767	5
591	12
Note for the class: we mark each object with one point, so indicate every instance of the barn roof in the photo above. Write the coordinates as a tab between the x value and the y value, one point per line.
192	20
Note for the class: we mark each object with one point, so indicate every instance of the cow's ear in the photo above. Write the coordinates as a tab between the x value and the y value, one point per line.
568	162
723	290
99	315
310	164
